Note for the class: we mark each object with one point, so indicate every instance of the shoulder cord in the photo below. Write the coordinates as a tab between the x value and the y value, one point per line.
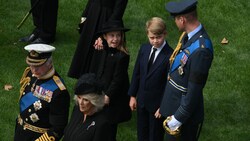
178	47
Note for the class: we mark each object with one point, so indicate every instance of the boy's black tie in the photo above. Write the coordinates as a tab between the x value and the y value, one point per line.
151	60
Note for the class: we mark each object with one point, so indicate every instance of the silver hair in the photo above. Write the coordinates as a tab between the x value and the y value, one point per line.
95	99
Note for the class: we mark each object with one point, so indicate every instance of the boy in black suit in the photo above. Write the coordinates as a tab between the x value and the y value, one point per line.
149	80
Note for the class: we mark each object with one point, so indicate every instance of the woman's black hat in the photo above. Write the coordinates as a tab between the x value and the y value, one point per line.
88	83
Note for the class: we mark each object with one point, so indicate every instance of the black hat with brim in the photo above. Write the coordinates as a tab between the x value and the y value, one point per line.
113	25
88	84
181	7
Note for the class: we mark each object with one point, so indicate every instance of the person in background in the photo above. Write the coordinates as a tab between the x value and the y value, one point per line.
44	100
87	122
182	103
95	14
149	80
111	67
45	21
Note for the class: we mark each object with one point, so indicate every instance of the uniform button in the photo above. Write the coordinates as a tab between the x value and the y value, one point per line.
24	128
28	84
23	93
26	119
29	110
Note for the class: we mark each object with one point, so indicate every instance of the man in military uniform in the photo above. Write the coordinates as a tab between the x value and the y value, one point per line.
44	100
182	103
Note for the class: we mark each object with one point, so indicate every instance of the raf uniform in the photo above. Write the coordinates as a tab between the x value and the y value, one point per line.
44	101
191	61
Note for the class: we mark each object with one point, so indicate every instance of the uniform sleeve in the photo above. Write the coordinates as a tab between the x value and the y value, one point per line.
58	117
199	68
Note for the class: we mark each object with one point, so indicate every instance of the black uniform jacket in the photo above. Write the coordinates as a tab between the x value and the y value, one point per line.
44	103
183	96
95	128
97	13
148	86
112	69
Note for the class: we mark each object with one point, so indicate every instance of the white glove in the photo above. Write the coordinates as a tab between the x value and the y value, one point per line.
174	124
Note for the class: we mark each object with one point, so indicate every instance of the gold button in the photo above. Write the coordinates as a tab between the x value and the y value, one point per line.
29	110
26	119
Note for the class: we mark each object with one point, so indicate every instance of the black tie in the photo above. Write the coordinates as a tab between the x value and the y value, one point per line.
185	39
151	60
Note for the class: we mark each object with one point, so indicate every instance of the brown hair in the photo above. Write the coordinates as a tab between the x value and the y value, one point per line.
156	25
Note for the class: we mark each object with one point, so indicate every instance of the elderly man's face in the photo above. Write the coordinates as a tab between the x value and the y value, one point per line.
39	71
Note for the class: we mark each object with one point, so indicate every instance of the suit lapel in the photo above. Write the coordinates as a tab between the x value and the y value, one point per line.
159	60
146	56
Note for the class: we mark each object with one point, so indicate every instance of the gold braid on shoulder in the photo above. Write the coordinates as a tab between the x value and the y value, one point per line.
176	50
24	81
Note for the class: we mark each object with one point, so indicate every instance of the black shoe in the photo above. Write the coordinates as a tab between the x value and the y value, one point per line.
41	41
30	38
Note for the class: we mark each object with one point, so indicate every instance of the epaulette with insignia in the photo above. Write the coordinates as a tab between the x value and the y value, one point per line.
59	83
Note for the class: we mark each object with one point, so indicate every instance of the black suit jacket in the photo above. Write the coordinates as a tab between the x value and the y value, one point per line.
148	86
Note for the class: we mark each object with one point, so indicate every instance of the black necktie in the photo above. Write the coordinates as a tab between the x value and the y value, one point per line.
151	60
185	39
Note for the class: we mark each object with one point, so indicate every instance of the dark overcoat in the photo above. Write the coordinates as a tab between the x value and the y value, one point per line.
113	71
97	13
95	127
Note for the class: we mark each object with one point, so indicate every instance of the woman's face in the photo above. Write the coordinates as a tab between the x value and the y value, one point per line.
85	105
113	38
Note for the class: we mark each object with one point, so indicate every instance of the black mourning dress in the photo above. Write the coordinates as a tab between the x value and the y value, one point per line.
94	128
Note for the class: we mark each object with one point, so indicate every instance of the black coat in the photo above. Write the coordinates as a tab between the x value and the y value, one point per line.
95	128
183	96
44	17
97	13
47	100
112	69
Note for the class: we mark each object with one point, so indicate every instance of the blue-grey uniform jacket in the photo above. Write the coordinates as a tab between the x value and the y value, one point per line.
188	74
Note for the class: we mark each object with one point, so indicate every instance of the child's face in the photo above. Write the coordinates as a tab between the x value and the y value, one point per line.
156	40
113	38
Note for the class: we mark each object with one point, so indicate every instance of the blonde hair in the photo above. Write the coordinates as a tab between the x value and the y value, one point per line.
122	47
95	99
156	25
